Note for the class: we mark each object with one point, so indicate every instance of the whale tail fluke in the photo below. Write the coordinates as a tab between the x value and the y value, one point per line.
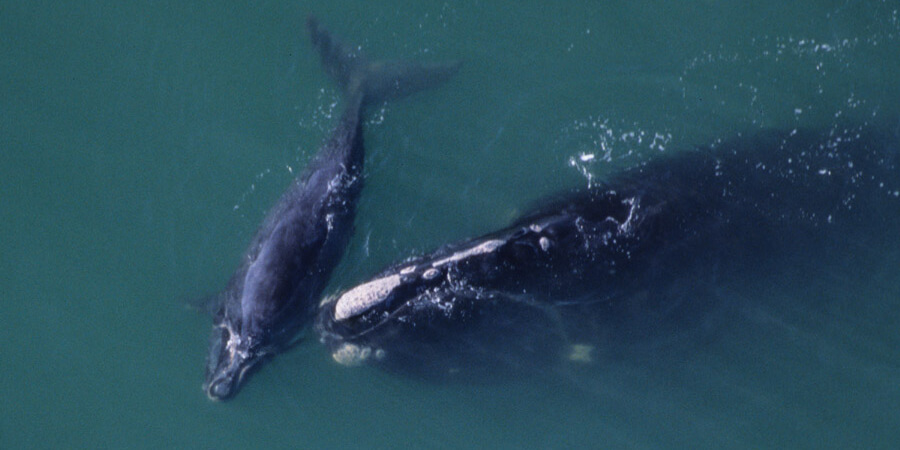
375	81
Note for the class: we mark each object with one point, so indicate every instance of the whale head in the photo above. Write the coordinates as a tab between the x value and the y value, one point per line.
232	357
260	314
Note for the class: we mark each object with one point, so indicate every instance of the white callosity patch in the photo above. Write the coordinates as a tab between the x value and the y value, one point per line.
233	346
430	274
480	249
545	243
581	353
351	354
362	297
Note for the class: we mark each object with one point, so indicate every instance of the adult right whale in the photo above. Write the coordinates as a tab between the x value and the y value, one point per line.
637	257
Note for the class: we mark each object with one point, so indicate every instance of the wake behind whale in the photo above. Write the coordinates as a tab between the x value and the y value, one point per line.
274	292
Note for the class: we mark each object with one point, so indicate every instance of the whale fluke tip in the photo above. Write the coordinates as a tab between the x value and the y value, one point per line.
375	81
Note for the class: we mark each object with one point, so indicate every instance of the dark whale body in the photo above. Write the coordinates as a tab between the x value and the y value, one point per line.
624	259
275	291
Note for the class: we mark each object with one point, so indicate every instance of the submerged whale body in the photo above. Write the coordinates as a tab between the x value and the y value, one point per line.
622	260
274	292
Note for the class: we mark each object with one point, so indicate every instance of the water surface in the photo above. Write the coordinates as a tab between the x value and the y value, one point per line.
141	143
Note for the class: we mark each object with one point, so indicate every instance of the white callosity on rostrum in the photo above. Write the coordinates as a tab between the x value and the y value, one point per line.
363	297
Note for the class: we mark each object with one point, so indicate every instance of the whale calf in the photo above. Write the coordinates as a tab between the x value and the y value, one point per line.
276	289
623	259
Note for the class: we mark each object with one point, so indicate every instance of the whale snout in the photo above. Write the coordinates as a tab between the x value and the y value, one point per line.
230	360
221	389
226	378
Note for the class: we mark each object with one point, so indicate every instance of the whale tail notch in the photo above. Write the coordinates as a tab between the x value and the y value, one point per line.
375	81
